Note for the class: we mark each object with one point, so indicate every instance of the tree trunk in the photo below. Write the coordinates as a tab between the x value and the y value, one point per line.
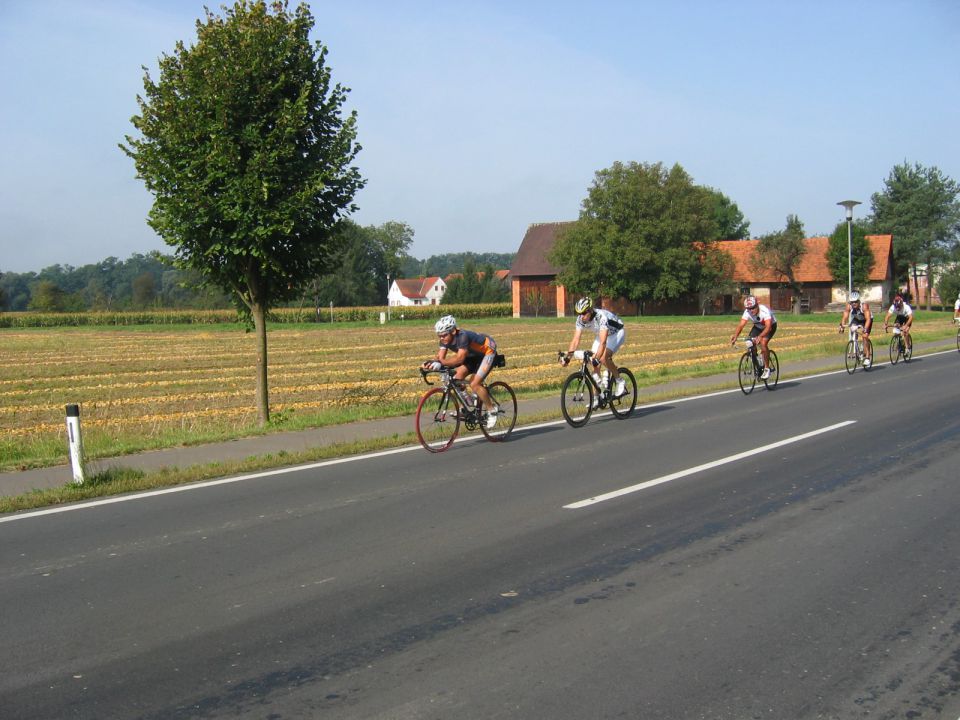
260	328
929	283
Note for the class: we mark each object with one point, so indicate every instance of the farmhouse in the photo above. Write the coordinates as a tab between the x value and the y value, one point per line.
536	293
416	291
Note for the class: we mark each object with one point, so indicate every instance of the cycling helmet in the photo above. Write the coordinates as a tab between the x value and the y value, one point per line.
583	304
898	299
854	296
448	323
749	302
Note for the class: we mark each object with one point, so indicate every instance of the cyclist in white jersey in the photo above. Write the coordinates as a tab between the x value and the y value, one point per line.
903	317
764	328
609	335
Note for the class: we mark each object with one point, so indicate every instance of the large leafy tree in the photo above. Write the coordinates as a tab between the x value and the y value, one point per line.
731	224
859	247
781	252
920	207
248	155
640	233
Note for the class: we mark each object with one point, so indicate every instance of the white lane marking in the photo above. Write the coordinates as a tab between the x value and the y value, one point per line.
701	468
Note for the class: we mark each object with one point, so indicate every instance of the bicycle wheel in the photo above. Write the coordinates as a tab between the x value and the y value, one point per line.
623	406
505	401
867	354
438	421
851	358
771	382
895	350
576	399
747	374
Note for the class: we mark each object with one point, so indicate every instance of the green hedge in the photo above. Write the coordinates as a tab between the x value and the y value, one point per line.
280	315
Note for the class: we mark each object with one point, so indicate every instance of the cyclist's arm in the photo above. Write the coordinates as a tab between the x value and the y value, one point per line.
601	345
843	320
576	340
886	320
736	334
455	359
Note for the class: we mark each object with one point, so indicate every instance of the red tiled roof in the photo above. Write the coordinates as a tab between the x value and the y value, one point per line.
416	287
813	264
531	258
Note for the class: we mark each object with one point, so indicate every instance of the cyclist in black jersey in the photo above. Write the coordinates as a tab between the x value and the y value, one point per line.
471	353
858	314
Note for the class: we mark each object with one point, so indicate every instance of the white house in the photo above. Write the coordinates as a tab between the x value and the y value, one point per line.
416	291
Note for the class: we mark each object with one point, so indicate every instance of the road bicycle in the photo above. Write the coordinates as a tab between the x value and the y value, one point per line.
581	394
859	350
751	369
957	321
444	408
900	348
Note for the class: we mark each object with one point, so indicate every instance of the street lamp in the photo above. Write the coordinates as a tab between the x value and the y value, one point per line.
388	297
849	205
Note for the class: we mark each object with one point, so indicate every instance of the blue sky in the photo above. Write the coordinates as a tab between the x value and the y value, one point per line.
479	118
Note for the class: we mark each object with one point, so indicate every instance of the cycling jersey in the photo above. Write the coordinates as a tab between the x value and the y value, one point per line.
856	315
902	314
602	320
476	344
763	313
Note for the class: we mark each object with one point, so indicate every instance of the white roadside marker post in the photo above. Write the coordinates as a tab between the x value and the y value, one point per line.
75	440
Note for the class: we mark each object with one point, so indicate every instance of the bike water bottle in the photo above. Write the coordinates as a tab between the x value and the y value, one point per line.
597	380
604	378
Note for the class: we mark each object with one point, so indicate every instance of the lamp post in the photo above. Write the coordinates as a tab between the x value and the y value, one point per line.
388	297
849	205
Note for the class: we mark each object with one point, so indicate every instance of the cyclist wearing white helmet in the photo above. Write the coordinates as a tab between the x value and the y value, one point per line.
764	328
860	318
609	334
470	353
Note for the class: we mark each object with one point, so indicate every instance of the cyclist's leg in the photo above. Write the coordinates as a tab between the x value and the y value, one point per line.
481	371
614	343
607	361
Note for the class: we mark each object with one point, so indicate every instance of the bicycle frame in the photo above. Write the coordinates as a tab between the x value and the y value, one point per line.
587	368
579	391
443	408
901	345
749	375
469	408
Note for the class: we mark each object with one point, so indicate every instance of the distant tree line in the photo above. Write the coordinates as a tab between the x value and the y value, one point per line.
363	258
449	263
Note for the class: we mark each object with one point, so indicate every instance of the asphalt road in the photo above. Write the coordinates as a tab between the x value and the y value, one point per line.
754	564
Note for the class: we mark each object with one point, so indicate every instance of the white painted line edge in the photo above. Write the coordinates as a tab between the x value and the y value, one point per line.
701	468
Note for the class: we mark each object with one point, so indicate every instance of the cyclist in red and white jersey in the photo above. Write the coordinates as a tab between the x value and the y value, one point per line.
609	334
903	318
764	327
